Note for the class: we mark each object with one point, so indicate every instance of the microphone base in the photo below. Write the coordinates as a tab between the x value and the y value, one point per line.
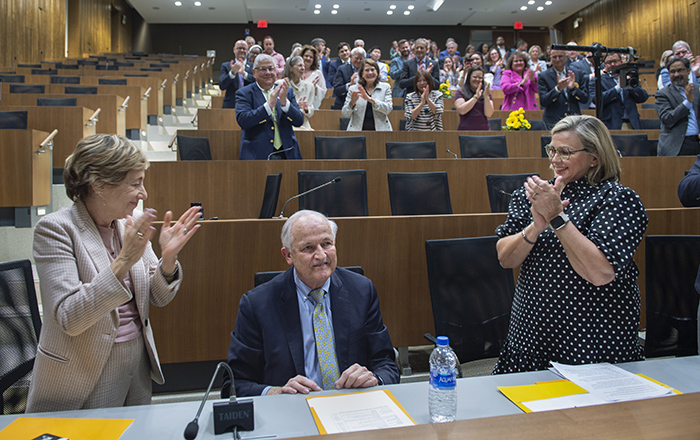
229	414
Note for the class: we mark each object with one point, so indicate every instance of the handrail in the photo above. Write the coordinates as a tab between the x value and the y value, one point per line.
162	85
147	93
125	104
92	120
48	142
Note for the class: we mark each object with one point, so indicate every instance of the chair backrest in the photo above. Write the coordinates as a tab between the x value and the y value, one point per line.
20	326
411	150
346	198
495	124
537	124
123	64
65	80
112	82
650	124
500	188
271	195
74	90
67	66
13	120
110	66
402	124
29	66
672	263
483	146
631	144
544	141
341	147
56	102
193	148
27	88
44	72
150	69
9	78
648	105
419	193
471	295
87	62
264	277
344	122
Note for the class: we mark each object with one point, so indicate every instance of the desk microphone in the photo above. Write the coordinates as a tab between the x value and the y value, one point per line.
505	193
448	150
336	180
228	416
278	152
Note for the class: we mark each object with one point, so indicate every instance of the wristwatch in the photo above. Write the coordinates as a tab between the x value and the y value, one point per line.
559	221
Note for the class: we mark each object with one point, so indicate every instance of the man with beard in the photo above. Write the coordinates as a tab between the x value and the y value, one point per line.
677	107
397	67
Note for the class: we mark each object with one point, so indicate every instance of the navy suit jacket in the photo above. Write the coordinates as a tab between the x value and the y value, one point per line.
267	347
618	105
332	69
258	128
556	104
689	192
410	68
340	84
231	86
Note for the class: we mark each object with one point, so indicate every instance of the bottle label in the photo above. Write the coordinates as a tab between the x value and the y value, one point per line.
445	381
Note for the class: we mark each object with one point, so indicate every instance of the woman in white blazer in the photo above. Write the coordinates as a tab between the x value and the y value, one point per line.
368	103
98	276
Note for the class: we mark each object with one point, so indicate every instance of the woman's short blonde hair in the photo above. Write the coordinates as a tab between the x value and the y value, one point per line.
595	138
100	160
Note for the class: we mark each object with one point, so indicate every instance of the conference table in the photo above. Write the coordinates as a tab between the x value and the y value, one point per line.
482	412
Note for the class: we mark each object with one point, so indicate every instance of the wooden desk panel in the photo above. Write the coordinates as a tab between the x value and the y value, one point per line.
155	100
219	264
26	176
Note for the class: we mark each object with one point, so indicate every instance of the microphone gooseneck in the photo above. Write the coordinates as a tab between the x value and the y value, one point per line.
278	152
455	155
193	427
336	180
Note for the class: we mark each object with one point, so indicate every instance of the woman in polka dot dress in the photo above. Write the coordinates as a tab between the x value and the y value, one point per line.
577	300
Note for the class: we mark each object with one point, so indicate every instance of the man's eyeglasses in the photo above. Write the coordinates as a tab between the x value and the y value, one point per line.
563	152
266	69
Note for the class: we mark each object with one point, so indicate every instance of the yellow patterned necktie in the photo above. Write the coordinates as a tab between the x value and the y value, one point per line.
277	143
325	348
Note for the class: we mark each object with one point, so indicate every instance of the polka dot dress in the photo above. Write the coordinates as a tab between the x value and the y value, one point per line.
559	316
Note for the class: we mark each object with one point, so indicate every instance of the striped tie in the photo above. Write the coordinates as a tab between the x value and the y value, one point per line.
325	348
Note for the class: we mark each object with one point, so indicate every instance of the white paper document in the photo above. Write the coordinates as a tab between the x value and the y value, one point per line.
564	402
358	412
610	383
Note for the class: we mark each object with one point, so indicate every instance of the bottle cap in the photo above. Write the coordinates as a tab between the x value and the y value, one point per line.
443	340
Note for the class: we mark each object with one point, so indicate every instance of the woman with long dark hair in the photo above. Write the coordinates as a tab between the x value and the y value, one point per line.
473	102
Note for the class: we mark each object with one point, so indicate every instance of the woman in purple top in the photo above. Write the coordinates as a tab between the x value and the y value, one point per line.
495	64
473	102
519	84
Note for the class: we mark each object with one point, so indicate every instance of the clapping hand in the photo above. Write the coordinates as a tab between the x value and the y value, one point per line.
354	96
571	80
303	104
173	237
479	91
689	89
363	93
237	66
315	80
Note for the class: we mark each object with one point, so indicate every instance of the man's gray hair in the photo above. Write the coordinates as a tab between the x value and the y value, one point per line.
423	41
359	50
262	57
680	43
317	42
286	236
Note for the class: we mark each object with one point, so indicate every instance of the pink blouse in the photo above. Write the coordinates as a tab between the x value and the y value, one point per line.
515	95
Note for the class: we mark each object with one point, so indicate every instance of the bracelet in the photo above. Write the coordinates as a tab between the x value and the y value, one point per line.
525	237
170	275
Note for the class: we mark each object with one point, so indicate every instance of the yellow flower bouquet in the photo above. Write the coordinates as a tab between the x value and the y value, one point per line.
516	121
445	89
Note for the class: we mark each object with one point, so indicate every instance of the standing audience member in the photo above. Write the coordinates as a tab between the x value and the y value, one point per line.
535	62
502	48
663	68
323	61
484	49
572	55
347	76
574	237
677	107
496	67
250	41
519	84
424	106
396	68
619	105
368	103
681	49
420	62
359	43
376	54
343	58
304	91
473	102
451	51
689	186
448	73
394	51
99	276
434	52
233	75
561	90
277	58
267	115
313	75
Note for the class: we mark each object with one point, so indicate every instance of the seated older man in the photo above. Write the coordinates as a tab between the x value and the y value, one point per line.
314	327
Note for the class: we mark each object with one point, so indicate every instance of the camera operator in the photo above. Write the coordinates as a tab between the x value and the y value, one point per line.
619	104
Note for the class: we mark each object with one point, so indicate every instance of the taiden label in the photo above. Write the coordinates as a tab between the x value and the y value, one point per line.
442	381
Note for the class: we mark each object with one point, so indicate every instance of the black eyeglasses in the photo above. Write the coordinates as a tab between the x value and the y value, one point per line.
563	152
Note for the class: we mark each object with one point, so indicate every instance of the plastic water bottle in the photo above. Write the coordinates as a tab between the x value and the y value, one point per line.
442	395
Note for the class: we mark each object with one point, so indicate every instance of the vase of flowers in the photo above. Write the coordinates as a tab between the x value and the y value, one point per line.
445	89
516	121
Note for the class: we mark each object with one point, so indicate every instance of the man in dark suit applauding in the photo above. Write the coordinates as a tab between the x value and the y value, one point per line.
346	76
267	115
419	62
677	107
561	90
233	75
312	327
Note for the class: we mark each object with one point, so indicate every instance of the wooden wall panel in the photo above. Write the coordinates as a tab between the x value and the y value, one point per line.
650	26
31	30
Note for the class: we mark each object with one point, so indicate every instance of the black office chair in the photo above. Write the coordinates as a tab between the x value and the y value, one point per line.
402	124
67	66
65	80
495	124
346	198
419	193
631	144
483	146
341	147
161	65
135	75
27	88
411	150
544	141
29	66
500	188
471	295
648	105
73	90
109	66
193	148
57	102
397	107
112	82
344	122
537	124
123	64
10	78
90	62
13	120
150	69
672	263
20	326
650	124
271	195
264	277
44	72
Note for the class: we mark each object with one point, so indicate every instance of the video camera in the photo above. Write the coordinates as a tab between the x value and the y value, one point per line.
629	75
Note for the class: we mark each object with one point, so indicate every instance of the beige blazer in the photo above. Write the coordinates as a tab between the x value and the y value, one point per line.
80	296
383	106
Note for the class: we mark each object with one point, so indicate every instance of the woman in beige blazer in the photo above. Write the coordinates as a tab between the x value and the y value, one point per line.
98	276
369	95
